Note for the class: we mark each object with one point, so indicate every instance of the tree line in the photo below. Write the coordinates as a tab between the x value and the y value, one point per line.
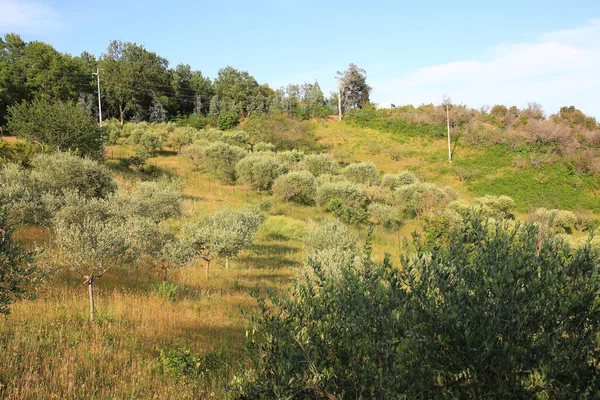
138	84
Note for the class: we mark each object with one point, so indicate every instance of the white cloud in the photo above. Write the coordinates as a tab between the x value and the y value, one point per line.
558	68
22	16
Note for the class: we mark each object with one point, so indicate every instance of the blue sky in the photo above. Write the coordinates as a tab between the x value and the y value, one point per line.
478	52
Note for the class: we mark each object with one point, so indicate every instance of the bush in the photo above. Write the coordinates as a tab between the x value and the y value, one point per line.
556	221
227	120
319	164
394	181
280	227
156	201
235	138
62	126
149	143
290	159
221	159
349	193
259	170
167	291
418	198
54	173
16	264
183	363
181	137
490	314
365	173
389	217
350	214
298	186
262	146
332	245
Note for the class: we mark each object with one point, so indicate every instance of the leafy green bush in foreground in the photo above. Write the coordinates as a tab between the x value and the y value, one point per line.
491	314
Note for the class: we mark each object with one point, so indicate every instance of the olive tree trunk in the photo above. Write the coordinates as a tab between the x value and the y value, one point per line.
91	293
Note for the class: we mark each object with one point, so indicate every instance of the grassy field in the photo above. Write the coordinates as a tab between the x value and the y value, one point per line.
186	339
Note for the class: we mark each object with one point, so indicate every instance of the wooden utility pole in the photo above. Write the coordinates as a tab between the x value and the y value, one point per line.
340	99
97	73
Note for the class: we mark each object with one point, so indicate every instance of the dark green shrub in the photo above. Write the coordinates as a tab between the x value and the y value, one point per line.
350	214
183	363
491	313
227	120
62	126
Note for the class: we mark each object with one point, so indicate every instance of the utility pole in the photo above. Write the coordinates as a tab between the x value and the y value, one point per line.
97	73
446	100
448	122
340	99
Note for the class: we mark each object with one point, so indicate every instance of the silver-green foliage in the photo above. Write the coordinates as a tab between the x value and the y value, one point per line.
394	181
259	170
149	143
349	193
156	201
386	215
420	197
290	159
364	172
221	159
63	171
319	164
182	136
297	186
556	221
34	195
497	207
332	245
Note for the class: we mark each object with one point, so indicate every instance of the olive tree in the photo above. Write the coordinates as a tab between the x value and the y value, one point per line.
394	181
365	173
149	143
222	234
297	186
319	164
420	197
34	195
238	228
59	171
182	136
556	221
19	194
195	153
156	201
92	246
221	159
16	264
389	217
348	192
162	249
259	170
332	245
